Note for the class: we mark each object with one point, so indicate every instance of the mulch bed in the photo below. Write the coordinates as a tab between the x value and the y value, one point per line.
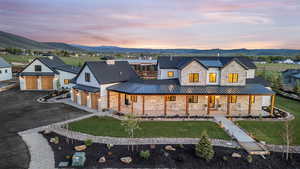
183	157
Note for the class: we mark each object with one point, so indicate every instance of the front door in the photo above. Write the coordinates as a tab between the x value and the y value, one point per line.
211	101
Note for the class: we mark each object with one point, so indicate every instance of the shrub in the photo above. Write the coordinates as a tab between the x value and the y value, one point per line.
204	148
249	159
145	154
88	142
56	140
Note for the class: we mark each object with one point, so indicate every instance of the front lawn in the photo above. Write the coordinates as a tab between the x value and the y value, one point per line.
272	132
108	126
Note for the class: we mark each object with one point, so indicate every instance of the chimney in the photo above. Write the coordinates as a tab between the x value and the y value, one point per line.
110	62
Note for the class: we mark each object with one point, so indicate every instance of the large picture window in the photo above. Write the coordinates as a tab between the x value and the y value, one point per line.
252	99
233	77
133	98
212	77
194	77
170	74
171	98
233	99
193	99
38	68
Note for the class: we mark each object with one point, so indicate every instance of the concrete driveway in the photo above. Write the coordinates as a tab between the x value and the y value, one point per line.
20	111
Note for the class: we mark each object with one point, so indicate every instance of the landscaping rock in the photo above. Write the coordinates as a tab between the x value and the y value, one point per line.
47	132
170	148
80	148
102	160
236	155
126	160
63	164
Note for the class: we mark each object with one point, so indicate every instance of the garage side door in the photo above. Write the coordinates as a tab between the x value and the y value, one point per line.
47	82
31	82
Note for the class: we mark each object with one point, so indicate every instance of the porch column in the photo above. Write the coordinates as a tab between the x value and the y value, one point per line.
272	104
131	106
249	108
108	98
143	104
187	105
208	111
228	105
165	105
119	102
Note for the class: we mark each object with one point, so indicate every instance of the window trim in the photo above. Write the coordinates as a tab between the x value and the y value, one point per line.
233	99
170	73
171	98
252	99
194	78
67	81
215	77
38	66
133	98
87	77
233	78
193	99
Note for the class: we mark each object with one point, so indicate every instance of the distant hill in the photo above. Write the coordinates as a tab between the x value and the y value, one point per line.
8	40
229	52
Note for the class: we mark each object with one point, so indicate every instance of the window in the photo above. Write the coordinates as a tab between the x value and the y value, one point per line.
133	98
127	100
193	99
171	98
232	99
194	77
170	74
233	77
38	68
6	71
212	77
87	77
67	81
0	71
252	99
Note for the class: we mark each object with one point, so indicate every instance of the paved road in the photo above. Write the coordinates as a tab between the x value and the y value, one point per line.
20	111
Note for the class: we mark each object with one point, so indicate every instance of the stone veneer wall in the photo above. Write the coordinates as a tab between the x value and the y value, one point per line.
233	67
154	105
193	67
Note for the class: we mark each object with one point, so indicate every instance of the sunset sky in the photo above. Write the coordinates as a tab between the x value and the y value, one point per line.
201	24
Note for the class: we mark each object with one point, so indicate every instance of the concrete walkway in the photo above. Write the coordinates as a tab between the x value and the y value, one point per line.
247	142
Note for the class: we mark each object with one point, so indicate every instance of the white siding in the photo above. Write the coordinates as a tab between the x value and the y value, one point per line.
30	68
163	73
266	100
81	78
103	94
250	73
5	74
65	75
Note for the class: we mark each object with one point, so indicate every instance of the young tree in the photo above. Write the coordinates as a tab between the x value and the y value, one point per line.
130	124
204	148
287	136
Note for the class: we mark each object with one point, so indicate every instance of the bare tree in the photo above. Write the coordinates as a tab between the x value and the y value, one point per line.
287	136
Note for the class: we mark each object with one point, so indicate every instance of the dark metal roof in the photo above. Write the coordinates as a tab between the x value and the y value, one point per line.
36	74
86	88
3	63
68	68
173	87
105	73
174	62
259	80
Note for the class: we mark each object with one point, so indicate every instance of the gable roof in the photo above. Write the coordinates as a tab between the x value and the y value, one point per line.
56	63
187	62
3	63
172	62
105	73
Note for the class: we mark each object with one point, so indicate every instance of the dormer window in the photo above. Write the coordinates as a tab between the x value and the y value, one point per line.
37	68
193	77
212	77
87	77
170	74
233	77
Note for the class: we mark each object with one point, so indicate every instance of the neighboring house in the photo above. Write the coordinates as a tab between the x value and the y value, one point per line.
291	76
47	73
259	61
185	86
5	70
297	62
286	61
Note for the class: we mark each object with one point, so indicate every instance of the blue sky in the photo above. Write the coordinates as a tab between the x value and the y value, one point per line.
201	24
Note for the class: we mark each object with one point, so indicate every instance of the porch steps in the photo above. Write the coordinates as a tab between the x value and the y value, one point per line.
244	140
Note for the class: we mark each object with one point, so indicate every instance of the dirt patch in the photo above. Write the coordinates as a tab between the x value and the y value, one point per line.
183	157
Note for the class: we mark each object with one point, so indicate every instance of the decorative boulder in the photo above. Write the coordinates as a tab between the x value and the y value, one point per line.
126	160
236	155
78	159
102	160
170	148
80	148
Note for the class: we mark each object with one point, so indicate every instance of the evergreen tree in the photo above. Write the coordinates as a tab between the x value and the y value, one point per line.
204	148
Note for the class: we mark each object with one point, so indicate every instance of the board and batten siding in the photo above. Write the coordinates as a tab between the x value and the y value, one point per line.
5	74
63	75
81	78
30	68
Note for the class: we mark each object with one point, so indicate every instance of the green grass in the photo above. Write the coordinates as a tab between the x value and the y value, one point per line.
272	132
108	126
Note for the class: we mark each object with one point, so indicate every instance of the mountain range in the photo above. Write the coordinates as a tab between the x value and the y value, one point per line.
8	40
